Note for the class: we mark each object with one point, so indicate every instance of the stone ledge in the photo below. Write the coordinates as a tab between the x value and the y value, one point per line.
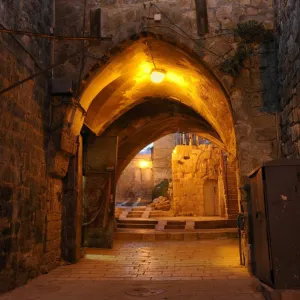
152	235
271	294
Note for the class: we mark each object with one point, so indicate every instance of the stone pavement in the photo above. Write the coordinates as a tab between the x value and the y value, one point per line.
203	270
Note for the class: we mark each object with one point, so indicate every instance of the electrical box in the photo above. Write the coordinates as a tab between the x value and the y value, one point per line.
62	86
275	199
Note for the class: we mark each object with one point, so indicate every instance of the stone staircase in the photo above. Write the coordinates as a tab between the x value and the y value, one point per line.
175	225
141	223
136	212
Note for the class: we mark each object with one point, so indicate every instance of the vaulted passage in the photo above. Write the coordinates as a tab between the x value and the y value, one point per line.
125	81
127	109
136	136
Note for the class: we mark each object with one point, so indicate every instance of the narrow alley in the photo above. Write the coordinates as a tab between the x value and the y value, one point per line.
173	270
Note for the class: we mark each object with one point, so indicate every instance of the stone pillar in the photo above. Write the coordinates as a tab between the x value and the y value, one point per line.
72	209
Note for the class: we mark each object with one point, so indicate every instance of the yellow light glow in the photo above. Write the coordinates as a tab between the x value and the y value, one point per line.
176	79
144	164
157	76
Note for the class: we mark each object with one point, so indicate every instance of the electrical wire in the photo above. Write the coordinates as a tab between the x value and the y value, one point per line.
40	73
23	47
55	37
91	38
183	35
190	37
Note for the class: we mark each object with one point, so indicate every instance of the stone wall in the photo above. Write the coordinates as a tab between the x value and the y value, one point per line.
252	93
162	158
196	174
30	213
288	38
136	180
30	219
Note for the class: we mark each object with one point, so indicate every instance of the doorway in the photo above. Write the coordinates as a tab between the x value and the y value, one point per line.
211	201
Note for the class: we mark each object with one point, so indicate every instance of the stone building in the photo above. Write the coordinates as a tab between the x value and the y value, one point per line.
101	89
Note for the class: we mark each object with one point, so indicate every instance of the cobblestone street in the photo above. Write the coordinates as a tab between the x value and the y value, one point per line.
190	270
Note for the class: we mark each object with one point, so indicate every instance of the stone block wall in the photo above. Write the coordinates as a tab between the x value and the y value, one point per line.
196	177
136	181
252	93
288	56
162	158
30	214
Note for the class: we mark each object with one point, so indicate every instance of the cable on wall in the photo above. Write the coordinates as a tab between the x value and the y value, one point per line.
190	37
55	37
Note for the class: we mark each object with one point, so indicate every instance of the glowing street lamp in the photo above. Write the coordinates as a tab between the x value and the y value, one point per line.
157	76
144	164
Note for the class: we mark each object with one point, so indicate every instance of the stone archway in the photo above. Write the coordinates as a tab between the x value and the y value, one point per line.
122	83
125	80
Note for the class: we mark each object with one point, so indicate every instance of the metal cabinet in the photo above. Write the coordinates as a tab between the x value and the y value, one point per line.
275	197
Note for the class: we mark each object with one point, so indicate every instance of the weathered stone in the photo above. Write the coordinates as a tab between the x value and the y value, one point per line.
25	111
195	170
290	73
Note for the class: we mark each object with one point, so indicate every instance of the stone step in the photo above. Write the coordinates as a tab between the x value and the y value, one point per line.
160	214
137	221
175	225
215	224
134	215
133	225
138	209
171	222
151	235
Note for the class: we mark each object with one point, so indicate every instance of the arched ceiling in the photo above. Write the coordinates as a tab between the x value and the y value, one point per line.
125	82
150	121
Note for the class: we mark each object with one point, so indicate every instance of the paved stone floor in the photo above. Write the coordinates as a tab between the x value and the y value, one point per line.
189	270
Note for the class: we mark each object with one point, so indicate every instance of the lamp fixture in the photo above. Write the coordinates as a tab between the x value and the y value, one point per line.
157	76
144	164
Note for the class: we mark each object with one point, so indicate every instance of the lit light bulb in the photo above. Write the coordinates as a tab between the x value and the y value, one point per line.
157	76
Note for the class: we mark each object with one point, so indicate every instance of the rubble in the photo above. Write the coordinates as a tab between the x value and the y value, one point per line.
160	203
